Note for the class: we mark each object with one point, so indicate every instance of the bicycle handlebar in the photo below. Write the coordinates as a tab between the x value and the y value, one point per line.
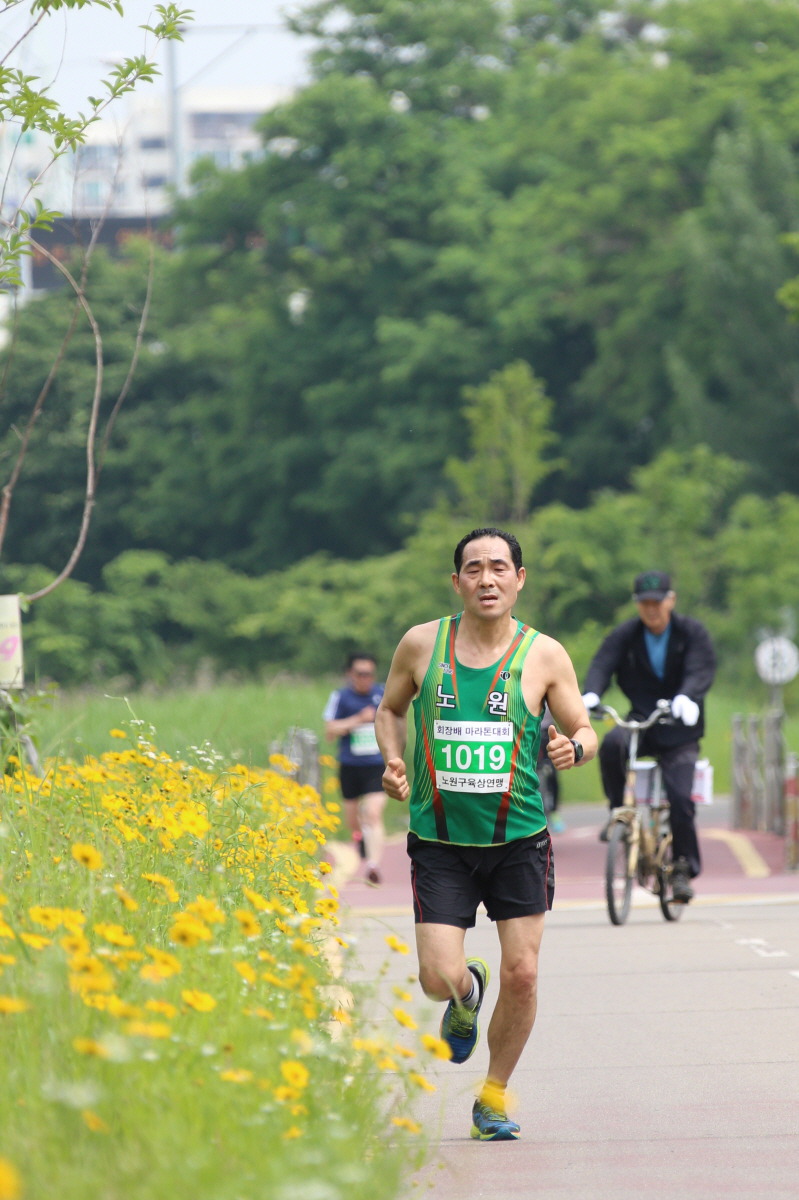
662	713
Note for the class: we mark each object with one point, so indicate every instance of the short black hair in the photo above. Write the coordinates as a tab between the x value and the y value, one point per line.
356	654
490	531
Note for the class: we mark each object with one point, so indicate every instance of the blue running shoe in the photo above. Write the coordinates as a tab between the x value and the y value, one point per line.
459	1025
491	1125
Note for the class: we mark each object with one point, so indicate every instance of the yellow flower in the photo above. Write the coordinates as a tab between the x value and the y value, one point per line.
404	1051
36	941
90	1047
401	994
204	910
161	1006
12	1004
163	966
437	1046
87	856
236	1075
195	822
248	973
150	1029
326	907
249	923
50	918
125	898
117	733
406	1123
87	974
166	884
293	1132
404	1018
199	1001
296	1074
188	931
282	763
325	868
258	901
395	944
302	1040
10	1182
114	934
75	944
421	1082
93	1122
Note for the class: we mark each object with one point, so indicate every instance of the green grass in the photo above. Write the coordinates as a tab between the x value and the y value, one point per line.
242	721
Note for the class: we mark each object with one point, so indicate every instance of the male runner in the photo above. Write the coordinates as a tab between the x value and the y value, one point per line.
478	682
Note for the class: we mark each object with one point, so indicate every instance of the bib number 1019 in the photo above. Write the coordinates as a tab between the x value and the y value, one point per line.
473	756
463	757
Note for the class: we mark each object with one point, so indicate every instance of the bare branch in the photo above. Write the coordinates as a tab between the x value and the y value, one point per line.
89	499
80	292
120	400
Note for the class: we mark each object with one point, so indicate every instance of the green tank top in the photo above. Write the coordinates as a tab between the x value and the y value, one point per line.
475	781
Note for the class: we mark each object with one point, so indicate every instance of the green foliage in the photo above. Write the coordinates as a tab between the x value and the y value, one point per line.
509	419
161	620
408	235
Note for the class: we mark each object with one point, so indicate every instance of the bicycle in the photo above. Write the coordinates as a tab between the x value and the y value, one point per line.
639	833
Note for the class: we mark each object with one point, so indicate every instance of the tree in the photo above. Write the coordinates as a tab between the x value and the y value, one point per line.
733	354
508	419
596	189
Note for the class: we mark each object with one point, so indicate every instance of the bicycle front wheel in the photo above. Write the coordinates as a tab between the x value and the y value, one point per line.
670	910
618	875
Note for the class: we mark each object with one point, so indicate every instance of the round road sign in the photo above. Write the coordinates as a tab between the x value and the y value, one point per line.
777	660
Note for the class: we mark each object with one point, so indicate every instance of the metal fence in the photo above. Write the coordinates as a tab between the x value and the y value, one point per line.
764	783
301	748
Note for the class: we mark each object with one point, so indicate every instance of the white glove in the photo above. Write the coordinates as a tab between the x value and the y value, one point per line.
590	700
684	709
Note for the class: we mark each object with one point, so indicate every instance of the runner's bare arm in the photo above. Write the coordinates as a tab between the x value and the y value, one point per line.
565	703
391	720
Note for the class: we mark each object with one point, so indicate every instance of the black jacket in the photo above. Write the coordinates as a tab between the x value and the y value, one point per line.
690	668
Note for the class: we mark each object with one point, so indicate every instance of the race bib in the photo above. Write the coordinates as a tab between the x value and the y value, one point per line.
473	756
363	740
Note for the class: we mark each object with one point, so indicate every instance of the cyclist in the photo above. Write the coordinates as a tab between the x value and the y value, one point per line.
659	654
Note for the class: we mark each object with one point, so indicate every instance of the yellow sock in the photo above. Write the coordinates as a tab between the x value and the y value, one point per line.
493	1094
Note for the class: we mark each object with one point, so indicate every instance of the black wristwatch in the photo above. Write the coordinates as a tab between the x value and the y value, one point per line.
578	750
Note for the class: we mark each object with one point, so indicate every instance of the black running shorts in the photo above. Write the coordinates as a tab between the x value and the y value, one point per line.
360	779
516	879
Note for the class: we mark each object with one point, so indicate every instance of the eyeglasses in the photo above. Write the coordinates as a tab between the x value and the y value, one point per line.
364	672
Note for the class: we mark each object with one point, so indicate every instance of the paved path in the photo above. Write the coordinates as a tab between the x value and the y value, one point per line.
665	1058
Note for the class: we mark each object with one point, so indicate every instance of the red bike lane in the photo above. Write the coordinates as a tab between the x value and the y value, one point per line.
738	865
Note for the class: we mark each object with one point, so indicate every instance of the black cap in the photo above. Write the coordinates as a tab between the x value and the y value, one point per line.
651	585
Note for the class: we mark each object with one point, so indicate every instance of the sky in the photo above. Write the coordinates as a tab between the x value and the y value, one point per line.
228	43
